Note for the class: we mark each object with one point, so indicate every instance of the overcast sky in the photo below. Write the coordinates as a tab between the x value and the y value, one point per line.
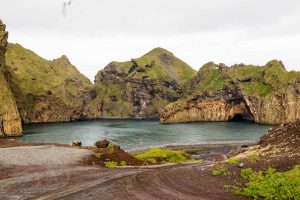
94	32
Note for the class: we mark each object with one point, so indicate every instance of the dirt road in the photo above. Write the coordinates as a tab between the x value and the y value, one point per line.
51	172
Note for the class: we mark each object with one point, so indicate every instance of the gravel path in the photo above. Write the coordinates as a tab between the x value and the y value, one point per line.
41	155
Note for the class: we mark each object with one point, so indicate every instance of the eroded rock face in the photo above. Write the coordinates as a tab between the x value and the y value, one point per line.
10	121
140	88
48	91
225	105
278	108
265	94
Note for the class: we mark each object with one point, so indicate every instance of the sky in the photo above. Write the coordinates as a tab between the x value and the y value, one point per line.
93	33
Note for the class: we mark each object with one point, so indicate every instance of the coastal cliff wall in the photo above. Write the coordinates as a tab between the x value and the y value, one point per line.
264	94
10	121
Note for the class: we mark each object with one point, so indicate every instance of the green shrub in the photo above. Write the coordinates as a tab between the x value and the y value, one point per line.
157	155
111	148
219	171
246	173
273	185
111	164
233	161
123	163
253	158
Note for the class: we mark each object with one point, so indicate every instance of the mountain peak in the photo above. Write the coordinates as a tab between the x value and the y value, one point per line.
159	51
276	63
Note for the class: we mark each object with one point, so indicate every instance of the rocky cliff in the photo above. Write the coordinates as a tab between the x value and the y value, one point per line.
140	88
265	94
10	121
48	91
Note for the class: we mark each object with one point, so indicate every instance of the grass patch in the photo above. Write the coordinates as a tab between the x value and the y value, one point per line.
114	164
156	155
271	184
253	158
111	148
123	163
219	171
233	161
111	164
246	173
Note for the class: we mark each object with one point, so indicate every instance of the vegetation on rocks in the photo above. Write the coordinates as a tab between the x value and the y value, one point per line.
10	121
48	91
271	184
157	156
233	160
219	171
140	88
264	94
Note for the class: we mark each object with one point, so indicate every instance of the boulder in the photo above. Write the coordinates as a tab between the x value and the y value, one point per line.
102	143
76	143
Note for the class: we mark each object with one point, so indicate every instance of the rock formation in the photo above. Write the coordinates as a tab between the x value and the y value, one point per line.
48	91
265	94
140	88
10	121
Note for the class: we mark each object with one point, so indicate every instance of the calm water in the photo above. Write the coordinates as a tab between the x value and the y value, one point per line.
136	134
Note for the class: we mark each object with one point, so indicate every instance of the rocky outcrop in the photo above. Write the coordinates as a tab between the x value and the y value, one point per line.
225	105
48	91
265	94
140	88
10	121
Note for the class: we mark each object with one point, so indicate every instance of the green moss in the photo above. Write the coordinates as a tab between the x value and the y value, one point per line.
156	155
256	88
212	82
32	74
123	163
259	81
272	185
219	171
233	161
111	164
246	72
253	158
111	148
246	174
174	68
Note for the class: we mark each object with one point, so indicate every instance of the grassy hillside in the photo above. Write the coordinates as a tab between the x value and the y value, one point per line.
252	80
40	85
141	87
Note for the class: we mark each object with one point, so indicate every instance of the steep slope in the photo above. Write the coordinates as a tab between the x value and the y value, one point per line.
10	121
140	88
265	94
48	91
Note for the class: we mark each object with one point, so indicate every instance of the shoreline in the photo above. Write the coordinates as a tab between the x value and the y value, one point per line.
12	142
208	151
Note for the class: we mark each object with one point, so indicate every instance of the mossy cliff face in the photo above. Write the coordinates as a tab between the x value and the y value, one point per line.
10	121
265	94
140	88
48	91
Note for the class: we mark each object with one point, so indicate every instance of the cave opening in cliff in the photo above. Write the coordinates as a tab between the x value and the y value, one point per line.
238	118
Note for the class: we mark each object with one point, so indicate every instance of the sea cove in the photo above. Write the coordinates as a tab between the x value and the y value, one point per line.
140	134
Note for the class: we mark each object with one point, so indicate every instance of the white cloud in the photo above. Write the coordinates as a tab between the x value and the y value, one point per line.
93	33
